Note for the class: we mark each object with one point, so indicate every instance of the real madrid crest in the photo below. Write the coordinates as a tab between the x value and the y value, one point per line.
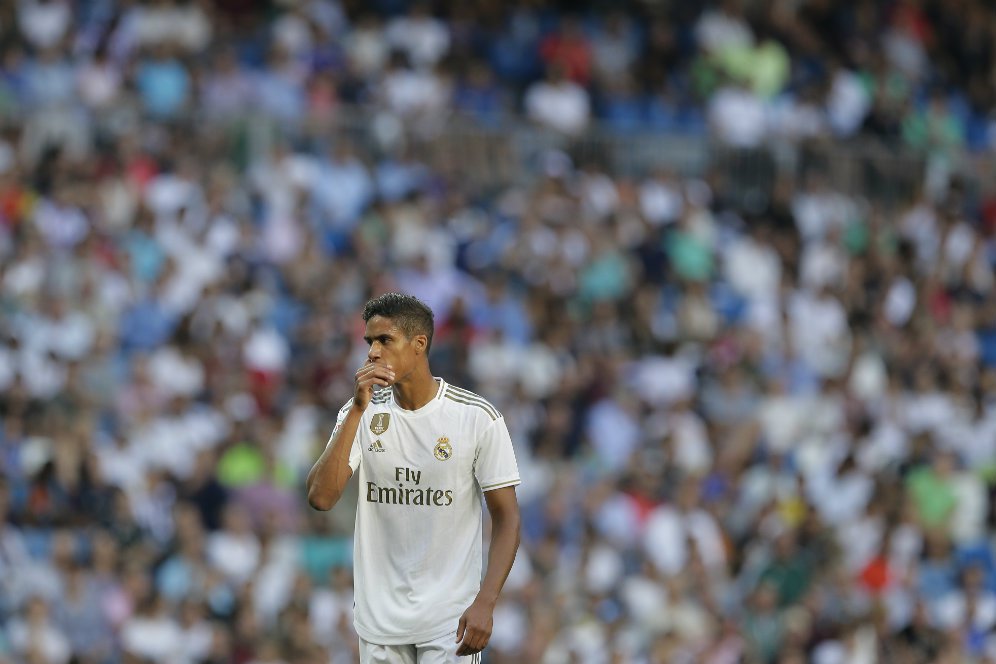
443	449
379	423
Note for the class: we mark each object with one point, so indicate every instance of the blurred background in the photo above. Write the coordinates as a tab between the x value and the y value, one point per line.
725	267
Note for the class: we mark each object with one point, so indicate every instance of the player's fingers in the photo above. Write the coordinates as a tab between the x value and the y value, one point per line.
379	372
465	648
383	377
371	366
472	639
374	370
461	626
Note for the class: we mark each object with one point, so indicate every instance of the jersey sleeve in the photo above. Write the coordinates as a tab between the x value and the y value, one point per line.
495	466
354	450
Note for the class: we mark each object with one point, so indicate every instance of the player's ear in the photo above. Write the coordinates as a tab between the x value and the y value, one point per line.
421	343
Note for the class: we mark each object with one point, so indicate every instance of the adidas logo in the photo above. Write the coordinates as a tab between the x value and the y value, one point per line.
376	446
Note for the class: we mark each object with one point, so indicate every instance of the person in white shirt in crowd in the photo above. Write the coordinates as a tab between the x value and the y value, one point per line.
36	638
737	115
558	103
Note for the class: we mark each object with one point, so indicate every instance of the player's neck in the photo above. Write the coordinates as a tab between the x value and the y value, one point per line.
416	390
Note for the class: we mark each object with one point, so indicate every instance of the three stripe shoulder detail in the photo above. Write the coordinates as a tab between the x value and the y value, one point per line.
468	398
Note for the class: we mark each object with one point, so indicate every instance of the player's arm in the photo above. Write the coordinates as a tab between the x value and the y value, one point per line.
505	531
328	477
475	625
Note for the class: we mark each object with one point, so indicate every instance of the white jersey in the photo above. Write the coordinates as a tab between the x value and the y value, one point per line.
417	545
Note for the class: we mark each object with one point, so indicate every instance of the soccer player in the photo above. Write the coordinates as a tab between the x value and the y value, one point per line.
425	451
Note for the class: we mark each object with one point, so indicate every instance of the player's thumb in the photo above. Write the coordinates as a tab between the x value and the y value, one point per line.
461	627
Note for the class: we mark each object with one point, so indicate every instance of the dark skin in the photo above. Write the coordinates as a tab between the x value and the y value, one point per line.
474	628
401	363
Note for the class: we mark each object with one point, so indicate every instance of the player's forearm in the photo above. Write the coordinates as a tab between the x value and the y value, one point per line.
328	477
505	530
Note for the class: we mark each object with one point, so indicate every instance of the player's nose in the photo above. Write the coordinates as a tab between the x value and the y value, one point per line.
374	353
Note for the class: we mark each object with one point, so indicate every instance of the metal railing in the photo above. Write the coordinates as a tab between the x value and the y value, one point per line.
489	156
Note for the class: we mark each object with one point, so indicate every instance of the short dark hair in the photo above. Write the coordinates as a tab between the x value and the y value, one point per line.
410	314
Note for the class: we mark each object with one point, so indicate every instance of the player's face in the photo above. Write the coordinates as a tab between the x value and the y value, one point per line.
390	347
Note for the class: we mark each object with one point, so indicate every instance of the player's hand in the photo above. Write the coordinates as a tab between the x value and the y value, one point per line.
367	377
474	629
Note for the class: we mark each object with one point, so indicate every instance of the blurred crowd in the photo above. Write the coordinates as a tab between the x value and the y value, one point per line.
762	435
920	73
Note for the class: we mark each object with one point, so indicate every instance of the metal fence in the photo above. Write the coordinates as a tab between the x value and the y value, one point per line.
495	156
488	157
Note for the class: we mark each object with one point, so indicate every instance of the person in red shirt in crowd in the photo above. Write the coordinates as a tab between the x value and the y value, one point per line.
570	48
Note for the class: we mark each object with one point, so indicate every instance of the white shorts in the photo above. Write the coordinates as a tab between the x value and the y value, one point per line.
438	651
